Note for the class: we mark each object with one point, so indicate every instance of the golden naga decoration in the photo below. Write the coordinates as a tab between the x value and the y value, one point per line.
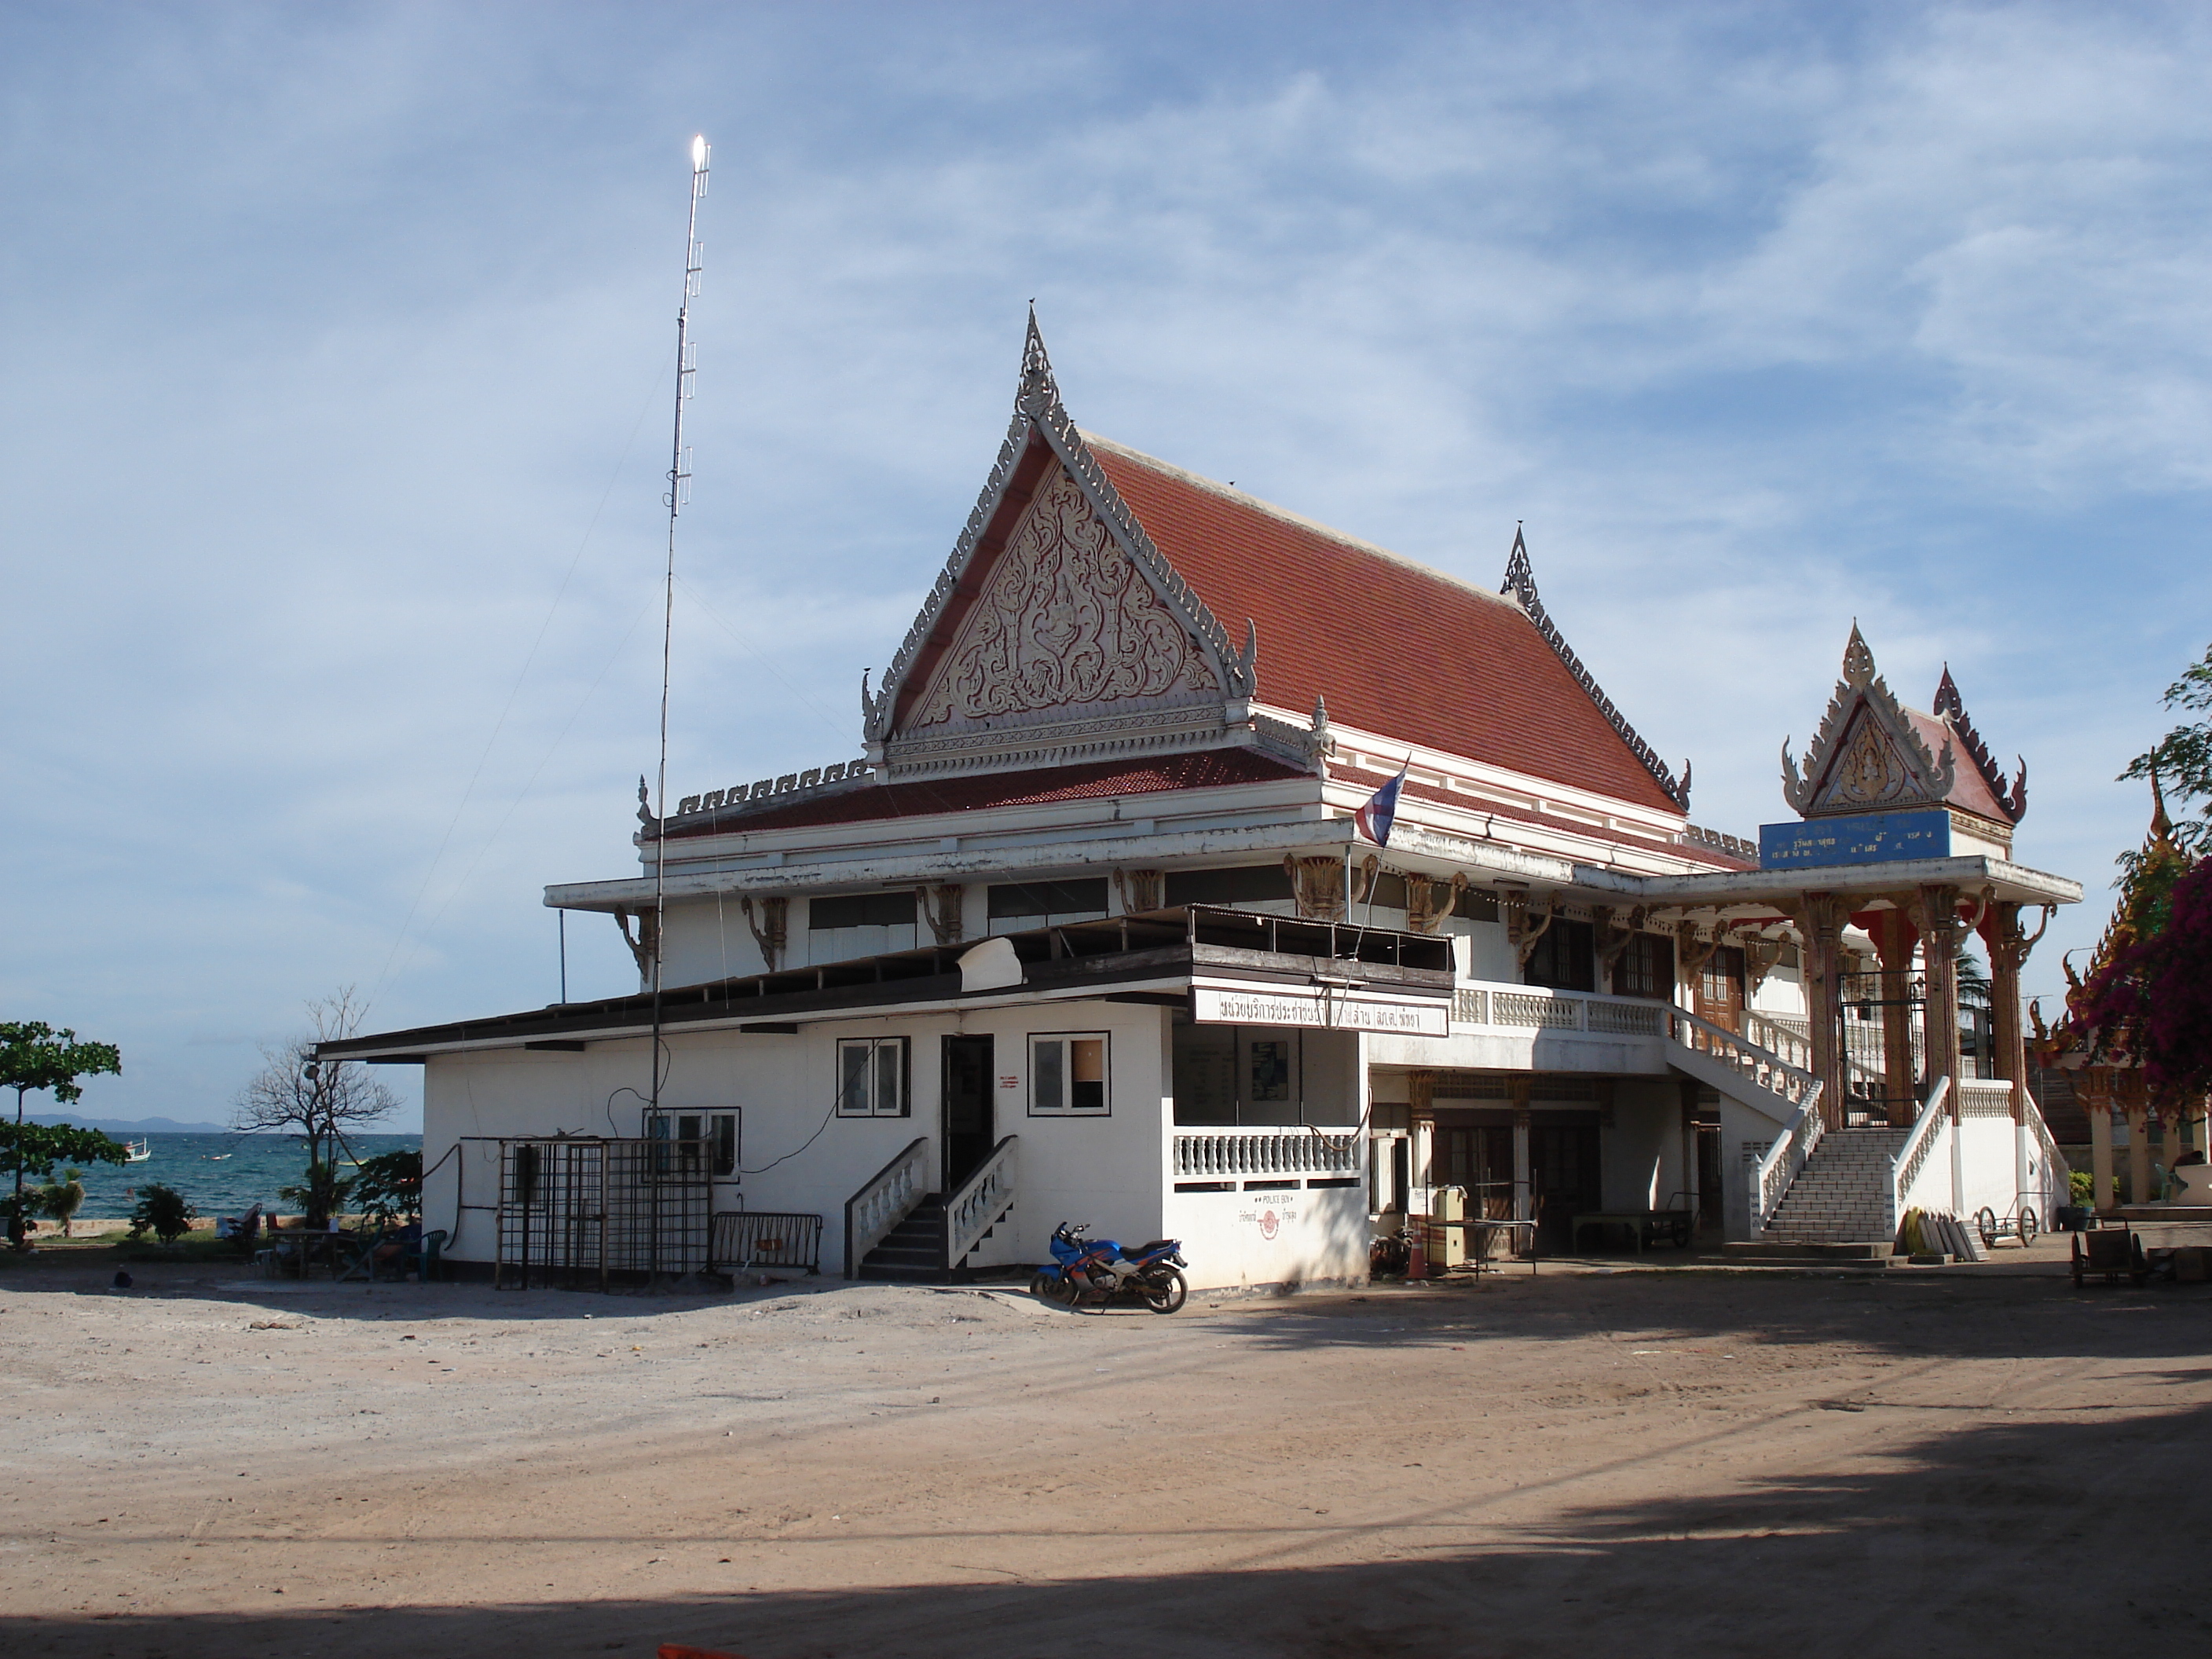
1318	885
769	928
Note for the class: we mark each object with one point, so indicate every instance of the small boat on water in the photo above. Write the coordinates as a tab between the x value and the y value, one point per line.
137	1152
217	1158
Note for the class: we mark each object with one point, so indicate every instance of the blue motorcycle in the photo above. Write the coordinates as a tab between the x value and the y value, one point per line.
1093	1272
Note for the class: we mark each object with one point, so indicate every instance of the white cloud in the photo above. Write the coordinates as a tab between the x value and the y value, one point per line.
1762	321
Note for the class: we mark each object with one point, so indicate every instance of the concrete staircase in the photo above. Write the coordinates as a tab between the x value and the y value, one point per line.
1842	1196
912	1253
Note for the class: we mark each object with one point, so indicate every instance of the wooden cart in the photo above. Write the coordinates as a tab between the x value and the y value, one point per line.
2112	1252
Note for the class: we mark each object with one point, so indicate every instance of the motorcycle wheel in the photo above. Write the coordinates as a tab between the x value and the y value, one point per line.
1167	1295
1039	1286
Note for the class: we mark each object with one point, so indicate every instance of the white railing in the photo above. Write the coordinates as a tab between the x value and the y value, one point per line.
1745	1058
981	1202
1984	1098
1785	1040
1931	1129
2057	1187
1782	1162
1862	1039
1537	1007
886	1201
1235	1153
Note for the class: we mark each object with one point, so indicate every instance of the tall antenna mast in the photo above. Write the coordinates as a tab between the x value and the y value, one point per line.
679	494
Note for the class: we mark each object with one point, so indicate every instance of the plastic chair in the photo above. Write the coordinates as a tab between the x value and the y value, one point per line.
423	1256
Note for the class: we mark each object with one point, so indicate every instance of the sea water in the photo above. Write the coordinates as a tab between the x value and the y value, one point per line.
218	1174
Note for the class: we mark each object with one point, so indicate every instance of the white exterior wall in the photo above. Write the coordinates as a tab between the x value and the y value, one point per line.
707	939
1105	1170
1267	1240
1641	1153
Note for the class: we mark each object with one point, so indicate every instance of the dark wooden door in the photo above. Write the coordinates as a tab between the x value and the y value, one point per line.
967	1120
1563	1170
1709	1177
1720	989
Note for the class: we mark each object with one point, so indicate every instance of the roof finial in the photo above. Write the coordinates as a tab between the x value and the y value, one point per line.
1858	660
1947	700
1520	576
1038	391
2161	827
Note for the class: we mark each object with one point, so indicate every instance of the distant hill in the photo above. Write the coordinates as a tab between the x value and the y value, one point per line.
118	1126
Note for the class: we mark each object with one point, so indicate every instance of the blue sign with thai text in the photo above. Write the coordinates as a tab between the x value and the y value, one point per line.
1866	838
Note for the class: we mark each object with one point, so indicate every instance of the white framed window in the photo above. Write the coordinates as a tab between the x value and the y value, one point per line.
871	1075
1067	1075
693	1140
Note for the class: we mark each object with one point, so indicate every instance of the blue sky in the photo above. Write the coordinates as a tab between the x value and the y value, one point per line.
337	342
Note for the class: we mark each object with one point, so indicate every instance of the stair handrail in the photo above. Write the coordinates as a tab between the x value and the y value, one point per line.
1904	1166
982	1201
1763	1066
2057	1172
885	1199
1783	1161
1770	1033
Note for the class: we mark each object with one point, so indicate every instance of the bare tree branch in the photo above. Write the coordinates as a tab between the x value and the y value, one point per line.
293	1094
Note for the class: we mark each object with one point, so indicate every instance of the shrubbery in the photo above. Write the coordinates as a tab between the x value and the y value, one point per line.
162	1212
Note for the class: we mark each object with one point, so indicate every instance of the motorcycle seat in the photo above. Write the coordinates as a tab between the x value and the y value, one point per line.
1146	1249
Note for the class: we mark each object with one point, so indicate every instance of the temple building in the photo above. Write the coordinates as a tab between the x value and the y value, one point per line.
1085	927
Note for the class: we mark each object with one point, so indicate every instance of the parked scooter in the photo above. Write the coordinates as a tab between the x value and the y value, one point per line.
1093	1272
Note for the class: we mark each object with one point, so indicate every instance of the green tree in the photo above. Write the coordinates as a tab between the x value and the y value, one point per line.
389	1187
2181	761
162	1212
61	1199
35	1057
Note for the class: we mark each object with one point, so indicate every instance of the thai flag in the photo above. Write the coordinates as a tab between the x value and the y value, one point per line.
1374	820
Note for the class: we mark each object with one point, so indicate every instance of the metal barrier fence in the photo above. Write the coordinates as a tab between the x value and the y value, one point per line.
746	1239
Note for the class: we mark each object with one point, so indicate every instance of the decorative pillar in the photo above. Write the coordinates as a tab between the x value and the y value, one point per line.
1421	1126
2100	1156
1686	1089
1895	935
2139	1190
1524	1192
1823	927
1940	931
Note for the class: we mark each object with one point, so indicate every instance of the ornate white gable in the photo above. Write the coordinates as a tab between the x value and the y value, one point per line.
1074	640
1866	756
1065	622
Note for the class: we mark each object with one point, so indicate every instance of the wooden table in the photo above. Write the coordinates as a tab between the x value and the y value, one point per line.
1641	1224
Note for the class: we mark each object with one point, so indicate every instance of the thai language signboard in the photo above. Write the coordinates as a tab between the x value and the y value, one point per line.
1864	838
1320	1007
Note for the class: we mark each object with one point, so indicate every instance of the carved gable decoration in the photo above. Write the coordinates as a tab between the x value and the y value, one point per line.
1065	621
1870	773
1869	755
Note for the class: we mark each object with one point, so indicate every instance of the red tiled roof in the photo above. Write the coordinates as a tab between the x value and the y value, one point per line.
1396	649
1209	769
1691	850
1970	791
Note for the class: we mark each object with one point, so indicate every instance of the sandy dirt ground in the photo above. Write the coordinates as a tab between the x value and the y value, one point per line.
1954	1460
